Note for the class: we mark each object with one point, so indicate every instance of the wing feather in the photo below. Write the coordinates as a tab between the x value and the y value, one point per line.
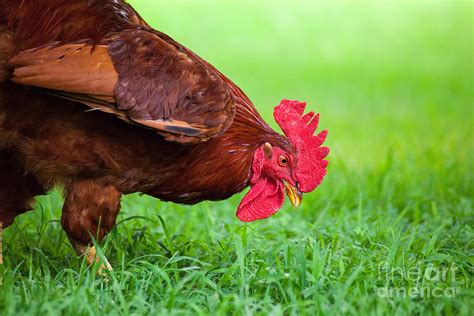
138	76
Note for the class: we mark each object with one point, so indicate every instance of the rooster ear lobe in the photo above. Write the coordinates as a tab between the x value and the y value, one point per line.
268	150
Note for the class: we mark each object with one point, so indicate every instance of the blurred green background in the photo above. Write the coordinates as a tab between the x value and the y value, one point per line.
393	82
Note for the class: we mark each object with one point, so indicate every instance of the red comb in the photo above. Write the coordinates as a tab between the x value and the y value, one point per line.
310	168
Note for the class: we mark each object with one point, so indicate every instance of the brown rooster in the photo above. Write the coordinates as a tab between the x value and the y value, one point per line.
161	121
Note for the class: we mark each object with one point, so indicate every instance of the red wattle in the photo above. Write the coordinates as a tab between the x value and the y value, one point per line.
264	199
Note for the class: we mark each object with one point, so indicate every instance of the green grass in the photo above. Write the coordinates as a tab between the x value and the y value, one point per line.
393	82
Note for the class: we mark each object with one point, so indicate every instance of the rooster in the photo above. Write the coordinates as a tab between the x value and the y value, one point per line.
95	100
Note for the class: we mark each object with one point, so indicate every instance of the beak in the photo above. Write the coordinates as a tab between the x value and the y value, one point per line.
294	194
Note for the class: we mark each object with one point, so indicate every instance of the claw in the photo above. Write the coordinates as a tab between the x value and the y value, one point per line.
91	257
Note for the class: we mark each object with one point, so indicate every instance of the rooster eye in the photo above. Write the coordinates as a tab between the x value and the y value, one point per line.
283	161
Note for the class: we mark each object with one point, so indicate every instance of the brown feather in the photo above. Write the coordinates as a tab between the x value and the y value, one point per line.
162	87
71	68
7	49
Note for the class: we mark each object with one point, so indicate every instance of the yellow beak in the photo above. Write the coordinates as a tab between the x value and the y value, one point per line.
294	194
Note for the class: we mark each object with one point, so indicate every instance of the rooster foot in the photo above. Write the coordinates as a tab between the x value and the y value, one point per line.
91	257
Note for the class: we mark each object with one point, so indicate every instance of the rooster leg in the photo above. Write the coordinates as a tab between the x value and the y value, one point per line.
90	208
